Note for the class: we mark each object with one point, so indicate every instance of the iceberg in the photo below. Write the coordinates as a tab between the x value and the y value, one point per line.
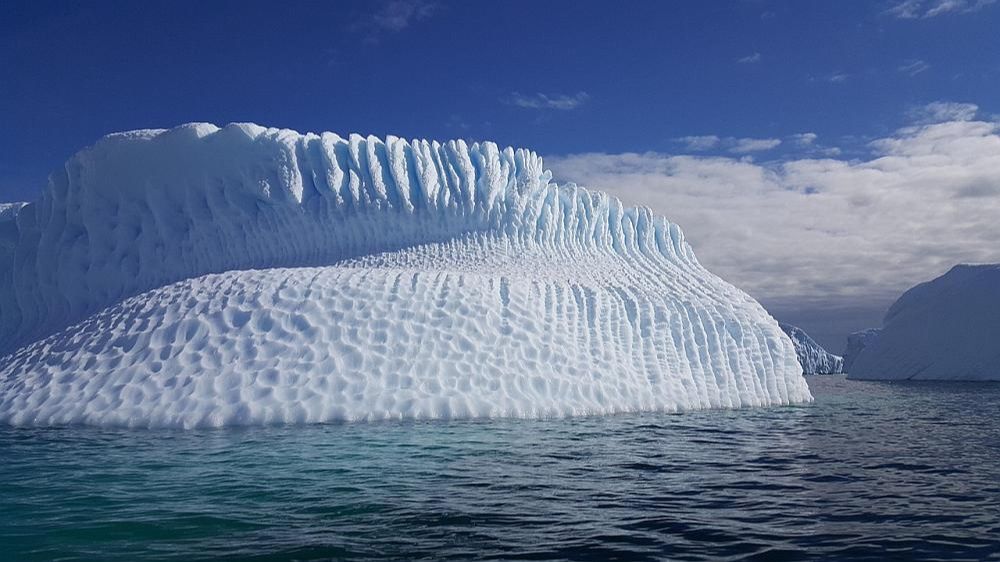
204	276
945	329
856	342
814	359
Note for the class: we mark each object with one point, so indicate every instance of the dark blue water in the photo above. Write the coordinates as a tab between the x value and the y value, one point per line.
869	471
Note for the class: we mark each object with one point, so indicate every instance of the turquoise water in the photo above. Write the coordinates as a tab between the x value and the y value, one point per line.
870	470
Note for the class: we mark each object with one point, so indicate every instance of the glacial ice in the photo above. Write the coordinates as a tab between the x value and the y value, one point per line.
814	359
856	342
201	276
945	329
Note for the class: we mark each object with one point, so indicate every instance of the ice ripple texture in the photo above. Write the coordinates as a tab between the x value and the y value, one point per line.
207	277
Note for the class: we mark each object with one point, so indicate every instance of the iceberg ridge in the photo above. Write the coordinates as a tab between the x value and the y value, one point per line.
814	359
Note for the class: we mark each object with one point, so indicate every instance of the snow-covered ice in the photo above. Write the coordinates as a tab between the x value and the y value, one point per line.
944	329
201	276
814	359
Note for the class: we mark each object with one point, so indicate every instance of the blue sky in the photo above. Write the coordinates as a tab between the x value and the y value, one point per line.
753	93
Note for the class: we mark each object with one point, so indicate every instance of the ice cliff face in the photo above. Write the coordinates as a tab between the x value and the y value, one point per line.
204	276
944	329
856	343
814	359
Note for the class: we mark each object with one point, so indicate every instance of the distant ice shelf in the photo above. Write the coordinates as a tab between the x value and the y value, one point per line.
201	276
944	329
814	359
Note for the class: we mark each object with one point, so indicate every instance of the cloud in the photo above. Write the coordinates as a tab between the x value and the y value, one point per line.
394	16
749	59
744	146
833	77
822	233
805	139
545	101
939	111
922	9
699	143
913	67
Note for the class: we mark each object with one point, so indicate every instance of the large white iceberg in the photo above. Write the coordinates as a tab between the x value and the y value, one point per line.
944	329
201	276
814	359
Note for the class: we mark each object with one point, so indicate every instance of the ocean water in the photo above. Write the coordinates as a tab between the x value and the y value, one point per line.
869	471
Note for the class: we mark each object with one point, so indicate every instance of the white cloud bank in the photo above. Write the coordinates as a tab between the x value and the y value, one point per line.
823	232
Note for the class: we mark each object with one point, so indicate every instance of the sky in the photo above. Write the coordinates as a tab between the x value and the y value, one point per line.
823	156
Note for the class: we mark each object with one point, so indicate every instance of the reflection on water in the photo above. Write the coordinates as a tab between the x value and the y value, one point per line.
870	470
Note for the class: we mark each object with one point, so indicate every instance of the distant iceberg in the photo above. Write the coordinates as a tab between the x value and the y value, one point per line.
814	359
201	276
856	343
944	329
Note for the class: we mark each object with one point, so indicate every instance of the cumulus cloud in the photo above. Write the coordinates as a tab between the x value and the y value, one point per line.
914	9
749	59
822	232
562	102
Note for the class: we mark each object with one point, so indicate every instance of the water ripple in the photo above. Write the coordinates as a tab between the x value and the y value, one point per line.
870	471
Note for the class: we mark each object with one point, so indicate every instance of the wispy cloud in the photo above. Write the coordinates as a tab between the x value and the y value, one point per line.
563	102
700	142
833	77
913	67
747	145
394	16
821	229
940	111
916	9
749	59
804	139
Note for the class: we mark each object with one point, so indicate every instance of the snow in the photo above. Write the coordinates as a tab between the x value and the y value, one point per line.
944	329
814	359
201	276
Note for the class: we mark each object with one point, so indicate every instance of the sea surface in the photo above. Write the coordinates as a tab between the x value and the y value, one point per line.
870	470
